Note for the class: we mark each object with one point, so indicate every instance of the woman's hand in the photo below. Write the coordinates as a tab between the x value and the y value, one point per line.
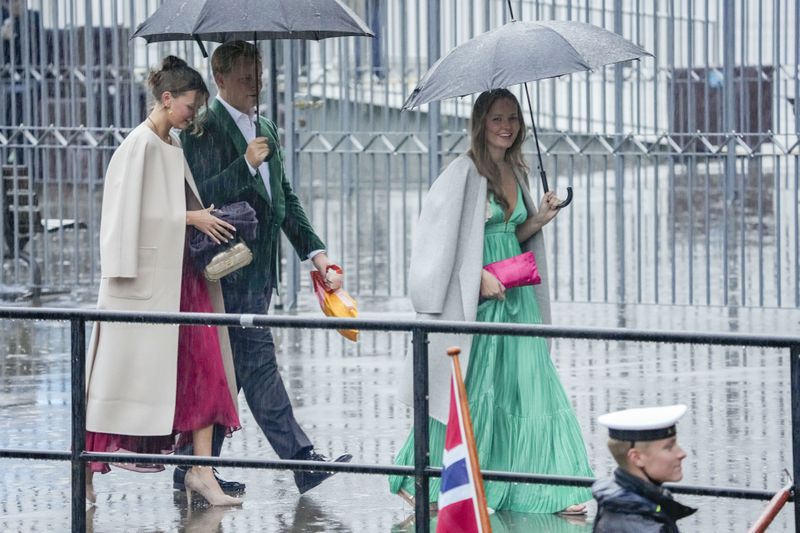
491	287
548	209
202	219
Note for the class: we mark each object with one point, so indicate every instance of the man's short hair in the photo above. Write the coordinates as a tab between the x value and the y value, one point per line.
619	449
228	54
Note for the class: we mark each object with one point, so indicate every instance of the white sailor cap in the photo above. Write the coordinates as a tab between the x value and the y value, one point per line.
643	424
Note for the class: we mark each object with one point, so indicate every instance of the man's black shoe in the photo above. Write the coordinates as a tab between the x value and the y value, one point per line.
306	479
230	487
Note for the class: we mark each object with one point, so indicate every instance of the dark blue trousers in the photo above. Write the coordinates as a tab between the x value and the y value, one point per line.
257	375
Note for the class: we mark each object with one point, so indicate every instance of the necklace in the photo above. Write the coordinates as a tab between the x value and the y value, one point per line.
153	127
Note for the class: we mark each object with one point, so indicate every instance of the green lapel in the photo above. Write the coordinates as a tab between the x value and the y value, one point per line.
230	129
275	169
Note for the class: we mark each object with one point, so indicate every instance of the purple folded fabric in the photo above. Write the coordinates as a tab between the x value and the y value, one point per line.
516	271
239	214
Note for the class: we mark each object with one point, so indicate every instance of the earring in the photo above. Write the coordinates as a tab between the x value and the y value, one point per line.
169	110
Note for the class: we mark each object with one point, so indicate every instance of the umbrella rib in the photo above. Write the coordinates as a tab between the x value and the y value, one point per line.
585	64
284	17
494	62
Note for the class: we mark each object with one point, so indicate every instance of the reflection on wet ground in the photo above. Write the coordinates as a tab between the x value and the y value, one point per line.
737	432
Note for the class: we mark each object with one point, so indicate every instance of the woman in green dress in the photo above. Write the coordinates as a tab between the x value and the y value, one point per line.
479	211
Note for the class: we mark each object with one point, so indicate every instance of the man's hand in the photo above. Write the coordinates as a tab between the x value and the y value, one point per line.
258	151
333	278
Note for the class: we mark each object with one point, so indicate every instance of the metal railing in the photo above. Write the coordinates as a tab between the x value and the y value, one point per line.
421	470
686	166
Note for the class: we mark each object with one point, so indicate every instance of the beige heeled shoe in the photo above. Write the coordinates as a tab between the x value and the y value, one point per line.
211	492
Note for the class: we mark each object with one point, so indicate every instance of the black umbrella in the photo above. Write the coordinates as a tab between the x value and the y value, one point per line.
227	20
519	52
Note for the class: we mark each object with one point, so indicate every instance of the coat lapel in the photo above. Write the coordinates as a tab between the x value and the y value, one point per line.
275	170
229	127
471	240
536	245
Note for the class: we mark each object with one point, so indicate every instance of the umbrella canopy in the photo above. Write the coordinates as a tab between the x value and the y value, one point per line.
220	21
518	52
229	20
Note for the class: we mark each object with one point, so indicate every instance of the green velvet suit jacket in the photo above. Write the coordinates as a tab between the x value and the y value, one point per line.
216	158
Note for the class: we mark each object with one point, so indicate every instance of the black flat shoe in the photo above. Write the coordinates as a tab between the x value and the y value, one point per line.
307	480
229	487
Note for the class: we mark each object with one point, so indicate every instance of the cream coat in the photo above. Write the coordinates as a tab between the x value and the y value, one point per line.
131	369
445	271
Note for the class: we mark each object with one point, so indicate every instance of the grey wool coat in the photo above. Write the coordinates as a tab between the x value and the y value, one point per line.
445	271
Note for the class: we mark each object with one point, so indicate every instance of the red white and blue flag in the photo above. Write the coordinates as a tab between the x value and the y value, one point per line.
459	509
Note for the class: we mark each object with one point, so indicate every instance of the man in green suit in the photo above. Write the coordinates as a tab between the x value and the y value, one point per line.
231	164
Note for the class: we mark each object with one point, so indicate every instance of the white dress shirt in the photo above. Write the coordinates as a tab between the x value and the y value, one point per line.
246	124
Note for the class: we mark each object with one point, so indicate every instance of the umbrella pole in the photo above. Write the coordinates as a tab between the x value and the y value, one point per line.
542	173
257	75
511	13
202	48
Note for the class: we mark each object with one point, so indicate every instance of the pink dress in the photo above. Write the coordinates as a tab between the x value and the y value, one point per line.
202	397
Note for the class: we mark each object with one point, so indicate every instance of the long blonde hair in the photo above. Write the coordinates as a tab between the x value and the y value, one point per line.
479	149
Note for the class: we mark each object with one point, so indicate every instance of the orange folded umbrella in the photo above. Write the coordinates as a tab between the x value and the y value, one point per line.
336	303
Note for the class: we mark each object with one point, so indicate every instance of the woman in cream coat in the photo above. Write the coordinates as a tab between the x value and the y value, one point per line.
478	211
135	400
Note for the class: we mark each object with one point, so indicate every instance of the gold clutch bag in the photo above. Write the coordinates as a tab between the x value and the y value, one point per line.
227	261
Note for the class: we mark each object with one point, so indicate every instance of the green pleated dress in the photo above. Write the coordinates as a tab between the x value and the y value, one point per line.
522	418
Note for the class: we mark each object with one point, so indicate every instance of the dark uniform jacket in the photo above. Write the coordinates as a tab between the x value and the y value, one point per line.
216	158
628	504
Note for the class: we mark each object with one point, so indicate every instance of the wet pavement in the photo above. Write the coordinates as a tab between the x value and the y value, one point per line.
737	432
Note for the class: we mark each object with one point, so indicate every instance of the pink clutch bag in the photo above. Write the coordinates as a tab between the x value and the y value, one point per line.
516	271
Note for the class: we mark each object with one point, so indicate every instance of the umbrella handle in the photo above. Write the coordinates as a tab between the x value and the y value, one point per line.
546	187
566	202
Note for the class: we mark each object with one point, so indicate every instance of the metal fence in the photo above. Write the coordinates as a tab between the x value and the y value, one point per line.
685	166
421	470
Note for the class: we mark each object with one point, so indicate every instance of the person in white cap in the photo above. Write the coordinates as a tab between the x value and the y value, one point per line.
644	444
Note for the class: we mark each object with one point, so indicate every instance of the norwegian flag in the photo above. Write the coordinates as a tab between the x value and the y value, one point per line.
459	501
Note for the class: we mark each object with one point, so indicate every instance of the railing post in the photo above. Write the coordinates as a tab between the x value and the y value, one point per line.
794	367
619	161
422	519
78	335
292	166
434	108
